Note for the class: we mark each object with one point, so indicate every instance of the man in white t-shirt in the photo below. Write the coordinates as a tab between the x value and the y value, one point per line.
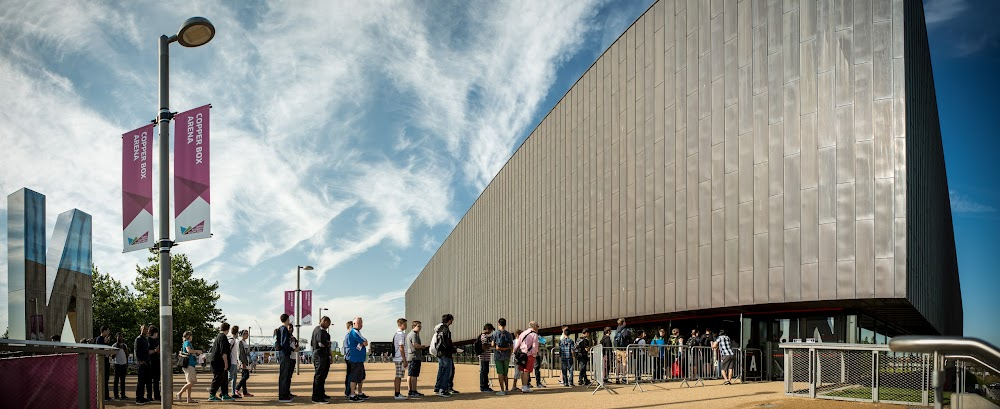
399	357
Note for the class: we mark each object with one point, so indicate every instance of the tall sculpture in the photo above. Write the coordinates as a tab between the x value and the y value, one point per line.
47	285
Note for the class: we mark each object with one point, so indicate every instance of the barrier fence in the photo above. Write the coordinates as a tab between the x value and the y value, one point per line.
858	372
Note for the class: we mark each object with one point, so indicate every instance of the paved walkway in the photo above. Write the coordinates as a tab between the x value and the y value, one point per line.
264	386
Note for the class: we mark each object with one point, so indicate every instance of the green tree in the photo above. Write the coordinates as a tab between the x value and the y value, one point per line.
194	299
114	305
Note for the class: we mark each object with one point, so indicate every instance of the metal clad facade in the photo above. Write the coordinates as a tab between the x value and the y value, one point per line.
755	152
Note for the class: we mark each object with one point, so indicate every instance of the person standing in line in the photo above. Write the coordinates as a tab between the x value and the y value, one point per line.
285	361
399	357
243	362
583	356
357	354
541	358
190	374
660	343
234	347
724	345
527	343
221	353
502	341
153	377
623	336
443	386
121	365
607	346
514	346
415	352
566	345
694	356
343	350
707	340
320	342
485	339
105	339
142	361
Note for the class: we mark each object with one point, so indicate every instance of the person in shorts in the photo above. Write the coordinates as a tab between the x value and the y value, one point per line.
357	353
527	343
502	343
415	353
723	344
190	376
399	356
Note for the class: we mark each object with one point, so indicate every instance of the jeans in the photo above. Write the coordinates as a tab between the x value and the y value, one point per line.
219	378
233	371
242	386
322	365
347	379
153	380
567	371
484	375
120	372
140	384
446	372
285	377
538	371
107	377
583	372
658	368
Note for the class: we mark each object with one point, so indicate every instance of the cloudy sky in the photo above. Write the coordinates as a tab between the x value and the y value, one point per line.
353	136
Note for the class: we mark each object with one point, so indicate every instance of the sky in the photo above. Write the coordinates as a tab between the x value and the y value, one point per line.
353	136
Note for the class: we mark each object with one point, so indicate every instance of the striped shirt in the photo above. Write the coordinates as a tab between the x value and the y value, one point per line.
487	351
724	346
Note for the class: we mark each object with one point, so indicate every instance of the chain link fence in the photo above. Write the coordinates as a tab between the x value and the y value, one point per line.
858	372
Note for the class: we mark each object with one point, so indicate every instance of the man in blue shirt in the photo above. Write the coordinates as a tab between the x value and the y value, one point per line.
356	355
287	364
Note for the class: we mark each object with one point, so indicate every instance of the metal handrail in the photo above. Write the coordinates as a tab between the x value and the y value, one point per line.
977	349
55	347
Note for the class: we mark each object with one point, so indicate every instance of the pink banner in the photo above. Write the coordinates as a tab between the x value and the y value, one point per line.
290	304
47	381
137	188
307	307
191	175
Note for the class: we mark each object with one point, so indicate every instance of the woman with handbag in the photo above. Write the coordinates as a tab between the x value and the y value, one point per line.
243	363
188	363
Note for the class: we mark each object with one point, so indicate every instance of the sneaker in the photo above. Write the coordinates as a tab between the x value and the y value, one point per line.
213	398
140	402
286	400
320	402
355	399
501	393
227	398
443	394
400	397
727	383
418	394
363	396
540	385
453	392
525	389
250	395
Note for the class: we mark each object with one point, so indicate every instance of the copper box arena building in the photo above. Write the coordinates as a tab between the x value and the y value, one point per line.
775	161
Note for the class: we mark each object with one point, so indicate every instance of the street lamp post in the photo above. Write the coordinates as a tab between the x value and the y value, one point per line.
195	32
320	315
298	318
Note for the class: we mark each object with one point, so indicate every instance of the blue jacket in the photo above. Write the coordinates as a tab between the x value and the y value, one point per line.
285	341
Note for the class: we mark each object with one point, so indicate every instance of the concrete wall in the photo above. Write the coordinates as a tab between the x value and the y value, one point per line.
718	154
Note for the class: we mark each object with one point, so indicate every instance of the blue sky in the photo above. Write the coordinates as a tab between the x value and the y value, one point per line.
353	136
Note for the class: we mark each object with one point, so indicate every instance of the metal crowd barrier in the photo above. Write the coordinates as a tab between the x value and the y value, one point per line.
642	363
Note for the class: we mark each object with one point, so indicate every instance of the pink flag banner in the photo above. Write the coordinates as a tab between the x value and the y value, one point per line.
137	189
290	305
307	307
192	202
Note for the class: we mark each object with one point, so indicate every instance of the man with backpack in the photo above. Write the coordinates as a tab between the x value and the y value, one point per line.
694	355
607	346
566	346
482	348
526	354
442	347
502	342
142	362
583	357
623	336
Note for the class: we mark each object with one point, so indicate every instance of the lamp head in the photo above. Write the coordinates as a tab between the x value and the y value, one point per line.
307	268
195	32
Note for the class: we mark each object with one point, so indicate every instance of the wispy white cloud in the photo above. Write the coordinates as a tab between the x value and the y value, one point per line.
961	203
941	11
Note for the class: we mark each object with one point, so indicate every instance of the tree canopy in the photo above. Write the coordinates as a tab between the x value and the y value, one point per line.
194	301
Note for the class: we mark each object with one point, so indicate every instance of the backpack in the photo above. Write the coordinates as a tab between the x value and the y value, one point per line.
210	355
435	340
477	346
504	339
521	357
581	350
277	339
622	337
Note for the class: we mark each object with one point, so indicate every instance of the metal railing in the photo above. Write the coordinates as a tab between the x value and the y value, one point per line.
691	366
90	370
942	349
857	372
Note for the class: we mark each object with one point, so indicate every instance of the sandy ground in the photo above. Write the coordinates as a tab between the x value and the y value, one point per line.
379	386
